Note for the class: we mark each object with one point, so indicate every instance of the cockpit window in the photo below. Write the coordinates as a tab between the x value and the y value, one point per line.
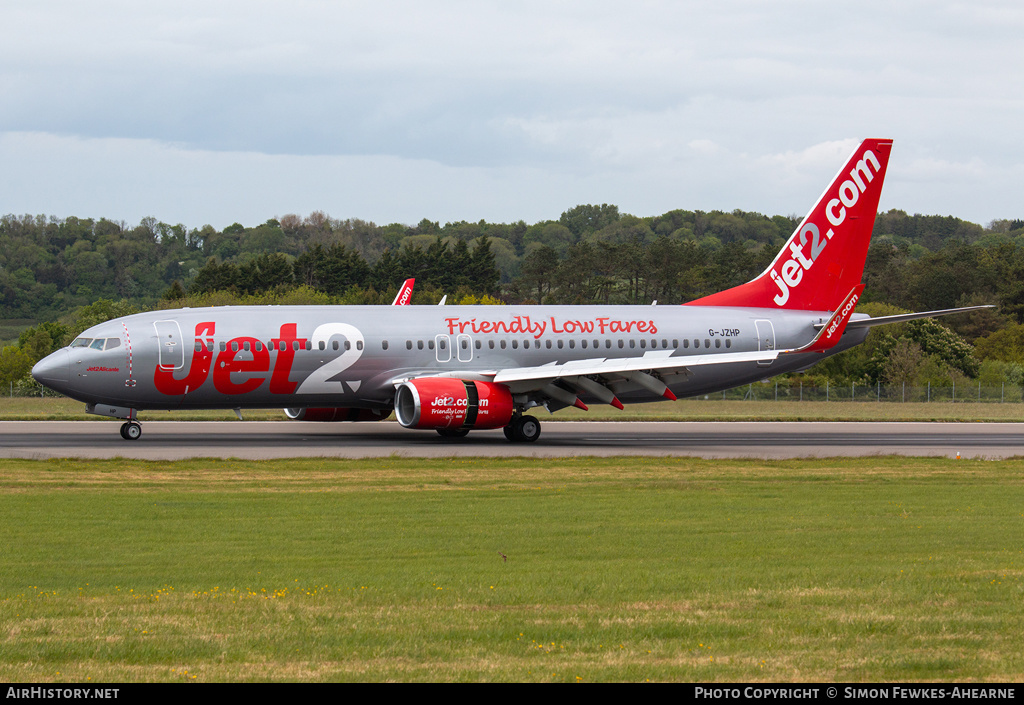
96	343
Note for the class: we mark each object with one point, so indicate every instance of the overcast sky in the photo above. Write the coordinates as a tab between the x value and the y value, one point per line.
239	111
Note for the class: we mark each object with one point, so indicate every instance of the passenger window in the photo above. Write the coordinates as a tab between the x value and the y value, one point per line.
322	345
718	342
572	344
560	344
359	345
707	343
384	345
728	342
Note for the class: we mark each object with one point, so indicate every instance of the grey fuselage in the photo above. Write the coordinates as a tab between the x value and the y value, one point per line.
353	356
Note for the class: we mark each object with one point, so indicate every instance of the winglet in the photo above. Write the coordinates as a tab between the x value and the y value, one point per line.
404	294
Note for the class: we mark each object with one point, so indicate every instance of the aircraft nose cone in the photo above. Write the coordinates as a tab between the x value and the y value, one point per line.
53	370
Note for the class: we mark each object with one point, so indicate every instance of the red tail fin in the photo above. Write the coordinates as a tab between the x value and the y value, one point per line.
824	258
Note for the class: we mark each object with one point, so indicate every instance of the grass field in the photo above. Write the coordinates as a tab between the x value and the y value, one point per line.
63	409
879	569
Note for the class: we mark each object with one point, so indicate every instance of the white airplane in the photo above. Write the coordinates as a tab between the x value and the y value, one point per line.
457	369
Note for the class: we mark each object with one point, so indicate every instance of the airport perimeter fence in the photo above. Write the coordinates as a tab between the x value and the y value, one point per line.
966	393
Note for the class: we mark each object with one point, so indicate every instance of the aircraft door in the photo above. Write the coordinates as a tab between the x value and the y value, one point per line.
465	348
169	345
443	348
765	338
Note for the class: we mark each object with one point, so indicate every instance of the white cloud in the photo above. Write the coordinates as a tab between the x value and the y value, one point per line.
651	105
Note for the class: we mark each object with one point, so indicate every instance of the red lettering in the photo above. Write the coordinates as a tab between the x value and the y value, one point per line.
228	363
279	382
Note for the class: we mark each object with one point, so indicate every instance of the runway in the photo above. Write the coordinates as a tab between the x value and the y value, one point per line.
173	440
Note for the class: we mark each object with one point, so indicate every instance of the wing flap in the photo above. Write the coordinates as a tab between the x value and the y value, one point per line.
660	361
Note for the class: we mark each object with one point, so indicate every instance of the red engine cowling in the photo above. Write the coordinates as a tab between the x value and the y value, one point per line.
336	414
446	402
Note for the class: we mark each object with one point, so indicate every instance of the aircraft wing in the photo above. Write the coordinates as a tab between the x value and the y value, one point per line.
657	361
604	378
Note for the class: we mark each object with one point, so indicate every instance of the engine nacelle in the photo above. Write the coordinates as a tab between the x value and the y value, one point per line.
446	402
336	414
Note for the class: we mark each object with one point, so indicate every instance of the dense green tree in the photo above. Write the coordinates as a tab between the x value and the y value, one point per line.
585	219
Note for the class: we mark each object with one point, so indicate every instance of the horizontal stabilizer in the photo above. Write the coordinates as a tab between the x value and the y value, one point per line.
900	318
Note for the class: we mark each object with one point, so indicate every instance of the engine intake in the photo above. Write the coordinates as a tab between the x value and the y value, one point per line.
446	402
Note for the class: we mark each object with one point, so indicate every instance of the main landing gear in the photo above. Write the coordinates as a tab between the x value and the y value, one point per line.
131	430
523	429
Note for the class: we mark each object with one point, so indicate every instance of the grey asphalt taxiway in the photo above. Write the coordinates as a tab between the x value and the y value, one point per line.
171	440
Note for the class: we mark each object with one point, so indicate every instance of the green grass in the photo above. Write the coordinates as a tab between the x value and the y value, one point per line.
64	409
613	569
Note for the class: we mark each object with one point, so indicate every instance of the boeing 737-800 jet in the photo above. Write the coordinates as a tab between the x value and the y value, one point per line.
456	369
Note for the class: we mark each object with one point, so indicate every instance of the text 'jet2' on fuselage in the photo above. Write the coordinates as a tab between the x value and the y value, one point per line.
454	369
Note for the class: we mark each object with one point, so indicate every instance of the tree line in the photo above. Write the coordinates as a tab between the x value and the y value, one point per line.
52	269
